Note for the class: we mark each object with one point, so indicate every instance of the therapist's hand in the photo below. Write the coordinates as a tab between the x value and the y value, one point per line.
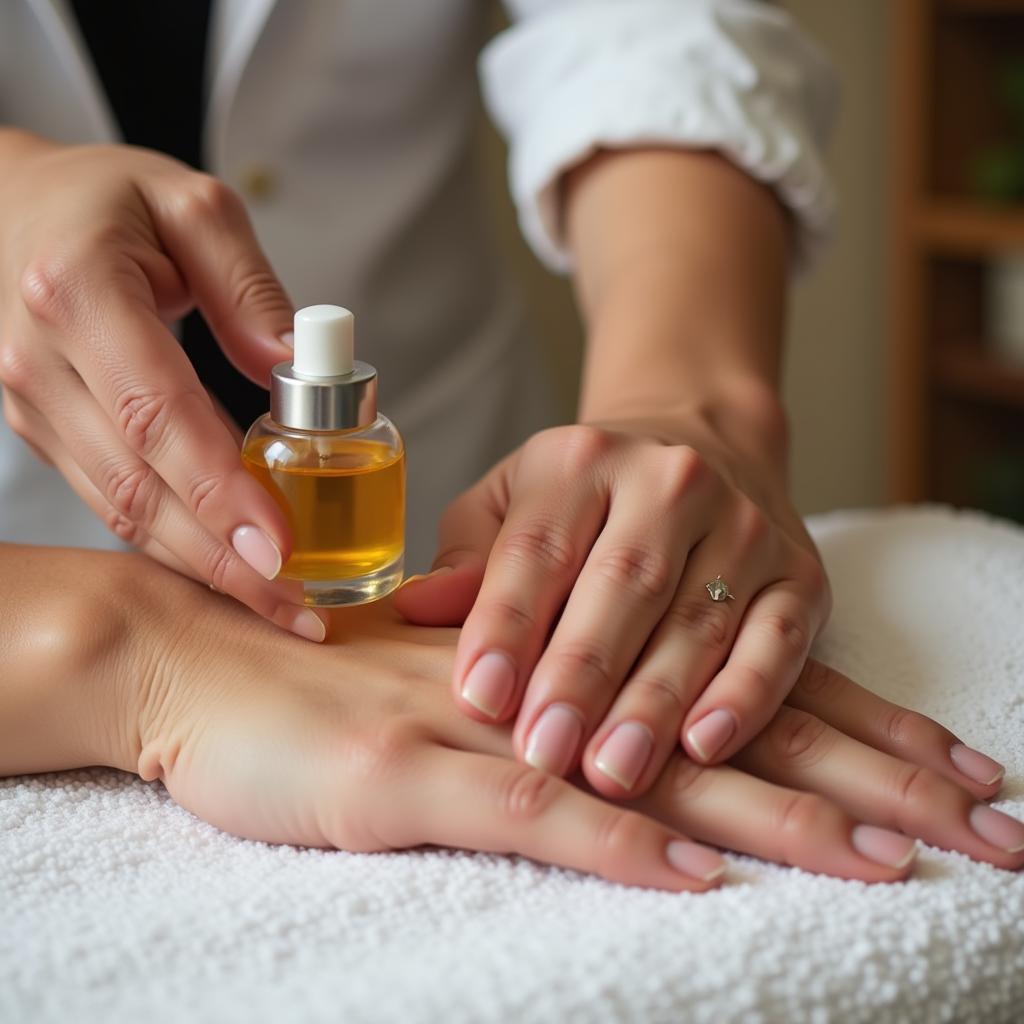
593	623
101	249
356	744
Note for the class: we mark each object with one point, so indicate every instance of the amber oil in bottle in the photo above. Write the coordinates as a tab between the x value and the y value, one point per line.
334	465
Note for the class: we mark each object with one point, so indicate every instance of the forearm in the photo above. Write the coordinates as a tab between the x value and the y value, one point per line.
681	276
65	624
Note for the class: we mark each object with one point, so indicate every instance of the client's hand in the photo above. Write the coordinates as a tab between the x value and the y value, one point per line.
357	745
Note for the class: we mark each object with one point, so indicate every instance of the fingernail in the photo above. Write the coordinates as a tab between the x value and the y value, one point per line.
624	754
997	828
490	683
975	765
711	733
309	626
258	550
695	860
288	338
893	849
426	576
554	739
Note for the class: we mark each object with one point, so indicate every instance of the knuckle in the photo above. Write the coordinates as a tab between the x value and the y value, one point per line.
380	754
752	527
47	287
799	737
16	370
906	729
798	815
792	632
616	840
220	563
681	468
914	784
654	691
817	679
540	545
642	573
131	490
123	528
584	659
144	418
707	622
509	615
527	794
573	449
207	198
203	492
256	290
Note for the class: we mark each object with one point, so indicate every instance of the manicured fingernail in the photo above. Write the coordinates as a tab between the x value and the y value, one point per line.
426	576
309	626
554	739
625	753
997	828
695	860
490	683
711	733
976	765
893	849
258	550
288	338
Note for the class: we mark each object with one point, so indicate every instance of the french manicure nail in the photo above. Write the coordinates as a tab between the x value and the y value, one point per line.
975	765
893	849
554	739
255	548
695	860
490	683
997	828
711	733
309	625
624	754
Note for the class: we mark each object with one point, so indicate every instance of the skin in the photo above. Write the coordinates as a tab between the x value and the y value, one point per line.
578	564
355	743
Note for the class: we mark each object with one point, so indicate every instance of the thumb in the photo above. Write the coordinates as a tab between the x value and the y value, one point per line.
208	235
445	596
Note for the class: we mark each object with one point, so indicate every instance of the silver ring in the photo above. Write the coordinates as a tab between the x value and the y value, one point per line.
719	589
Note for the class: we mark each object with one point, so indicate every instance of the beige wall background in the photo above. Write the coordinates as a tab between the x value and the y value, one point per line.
834	381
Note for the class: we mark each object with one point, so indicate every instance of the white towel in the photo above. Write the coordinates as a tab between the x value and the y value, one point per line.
117	905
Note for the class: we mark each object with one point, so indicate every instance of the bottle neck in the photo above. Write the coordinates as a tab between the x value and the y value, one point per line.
323	403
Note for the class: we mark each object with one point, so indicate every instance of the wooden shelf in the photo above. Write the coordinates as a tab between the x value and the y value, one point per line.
980	376
984	6
970	228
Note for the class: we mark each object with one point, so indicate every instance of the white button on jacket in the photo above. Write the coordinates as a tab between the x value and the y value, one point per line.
345	125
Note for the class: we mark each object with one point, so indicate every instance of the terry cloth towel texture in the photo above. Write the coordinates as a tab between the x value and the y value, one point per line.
117	905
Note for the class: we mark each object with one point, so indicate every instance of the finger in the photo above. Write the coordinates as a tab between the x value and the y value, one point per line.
693	638
467	533
767	655
554	516
207	232
173	529
622	592
801	751
733	809
488	803
143	381
838	700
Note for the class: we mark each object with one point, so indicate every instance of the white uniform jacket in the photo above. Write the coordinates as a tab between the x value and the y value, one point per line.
354	117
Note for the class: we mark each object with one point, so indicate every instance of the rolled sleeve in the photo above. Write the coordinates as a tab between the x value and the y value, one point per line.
735	76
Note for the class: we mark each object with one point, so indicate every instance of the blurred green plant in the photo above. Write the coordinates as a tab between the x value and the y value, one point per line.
997	172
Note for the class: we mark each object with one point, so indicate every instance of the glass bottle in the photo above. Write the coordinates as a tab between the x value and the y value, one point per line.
334	465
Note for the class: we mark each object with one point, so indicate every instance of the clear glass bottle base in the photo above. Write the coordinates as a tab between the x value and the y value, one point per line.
356	589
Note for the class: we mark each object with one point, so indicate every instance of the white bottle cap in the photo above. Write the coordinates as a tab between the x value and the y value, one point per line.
324	341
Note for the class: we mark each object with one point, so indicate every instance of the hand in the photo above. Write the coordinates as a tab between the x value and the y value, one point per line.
356	745
593	620
103	248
